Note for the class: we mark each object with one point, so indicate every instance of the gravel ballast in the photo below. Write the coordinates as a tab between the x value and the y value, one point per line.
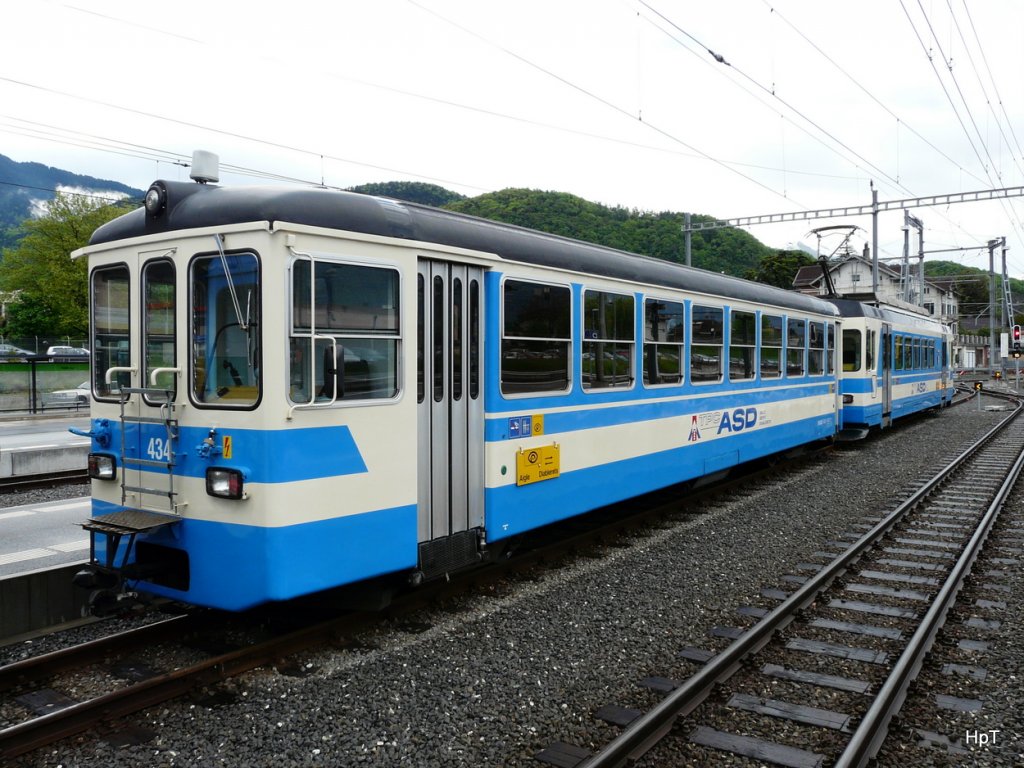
496	678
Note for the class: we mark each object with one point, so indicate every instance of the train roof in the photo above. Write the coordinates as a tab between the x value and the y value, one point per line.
188	206
853	308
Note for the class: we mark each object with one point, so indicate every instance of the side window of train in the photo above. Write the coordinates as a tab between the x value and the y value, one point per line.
796	338
345	332
707	336
869	350
111	344
816	349
742	345
771	346
225	363
608	340
830	348
536	333
897	364
852	349
158	327
664	335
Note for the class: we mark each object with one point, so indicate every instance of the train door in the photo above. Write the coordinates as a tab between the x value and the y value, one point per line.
450	416
134	368
886	363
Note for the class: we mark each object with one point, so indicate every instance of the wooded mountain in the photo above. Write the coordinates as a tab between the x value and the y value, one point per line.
24	185
653	234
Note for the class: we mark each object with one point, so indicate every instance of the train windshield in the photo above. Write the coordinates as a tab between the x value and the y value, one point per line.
225	330
111	343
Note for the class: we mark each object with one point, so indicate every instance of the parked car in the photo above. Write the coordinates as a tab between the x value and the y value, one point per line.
11	352
63	351
67	398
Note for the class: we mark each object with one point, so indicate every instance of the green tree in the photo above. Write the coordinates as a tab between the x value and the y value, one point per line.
778	268
52	290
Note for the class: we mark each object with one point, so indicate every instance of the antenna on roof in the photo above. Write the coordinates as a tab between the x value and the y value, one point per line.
205	167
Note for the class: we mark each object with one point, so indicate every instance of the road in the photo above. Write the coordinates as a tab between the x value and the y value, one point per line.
43	535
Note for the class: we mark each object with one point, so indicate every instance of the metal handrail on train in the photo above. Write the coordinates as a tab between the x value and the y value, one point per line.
647	729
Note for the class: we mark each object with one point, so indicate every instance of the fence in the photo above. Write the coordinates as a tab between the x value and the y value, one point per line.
37	386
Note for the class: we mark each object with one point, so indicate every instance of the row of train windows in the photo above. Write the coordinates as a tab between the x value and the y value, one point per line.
909	353
536	340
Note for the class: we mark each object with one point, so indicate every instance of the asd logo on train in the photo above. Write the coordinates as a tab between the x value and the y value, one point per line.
737	420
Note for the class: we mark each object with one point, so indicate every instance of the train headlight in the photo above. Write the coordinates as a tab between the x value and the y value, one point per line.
156	199
102	466
225	483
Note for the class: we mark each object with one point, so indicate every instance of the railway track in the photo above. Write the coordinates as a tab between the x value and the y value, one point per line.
18	483
57	716
831	663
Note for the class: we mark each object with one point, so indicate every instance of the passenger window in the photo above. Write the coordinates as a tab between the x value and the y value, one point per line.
158	325
771	346
830	349
535	338
111	344
664	335
225	330
608	339
898	357
851	349
796	337
345	332
869	352
742	345
707	337
816	349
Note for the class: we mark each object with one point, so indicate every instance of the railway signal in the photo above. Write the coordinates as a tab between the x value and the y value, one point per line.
1016	340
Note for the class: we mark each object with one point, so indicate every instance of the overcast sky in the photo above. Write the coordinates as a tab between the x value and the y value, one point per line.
730	108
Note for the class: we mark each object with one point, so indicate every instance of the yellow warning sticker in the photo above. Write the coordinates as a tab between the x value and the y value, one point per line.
536	464
538	424
226	447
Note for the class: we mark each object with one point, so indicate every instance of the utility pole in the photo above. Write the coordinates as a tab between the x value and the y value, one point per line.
874	241
992	305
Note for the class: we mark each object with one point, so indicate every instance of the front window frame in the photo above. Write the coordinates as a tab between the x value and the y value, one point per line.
250	304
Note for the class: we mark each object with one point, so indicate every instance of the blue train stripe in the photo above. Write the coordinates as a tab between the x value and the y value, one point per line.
268	456
514	509
603	415
263	564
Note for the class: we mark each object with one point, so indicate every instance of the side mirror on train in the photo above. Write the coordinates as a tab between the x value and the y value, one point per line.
334	373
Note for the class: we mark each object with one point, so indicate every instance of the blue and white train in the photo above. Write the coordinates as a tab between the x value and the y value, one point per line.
296	389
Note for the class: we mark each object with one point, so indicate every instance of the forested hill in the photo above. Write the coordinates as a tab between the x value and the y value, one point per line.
24	186
732	251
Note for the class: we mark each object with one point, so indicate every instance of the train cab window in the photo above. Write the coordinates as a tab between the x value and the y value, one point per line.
707	336
796	340
111	343
345	332
664	332
816	349
536	333
830	349
225	330
771	346
851	349
158	326
608	340
742	345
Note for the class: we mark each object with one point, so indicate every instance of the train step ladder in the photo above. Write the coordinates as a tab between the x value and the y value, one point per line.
137	518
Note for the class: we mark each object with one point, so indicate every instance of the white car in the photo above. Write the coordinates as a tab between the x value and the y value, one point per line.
68	398
65	351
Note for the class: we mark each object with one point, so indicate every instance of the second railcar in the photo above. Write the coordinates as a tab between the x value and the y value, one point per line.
894	363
